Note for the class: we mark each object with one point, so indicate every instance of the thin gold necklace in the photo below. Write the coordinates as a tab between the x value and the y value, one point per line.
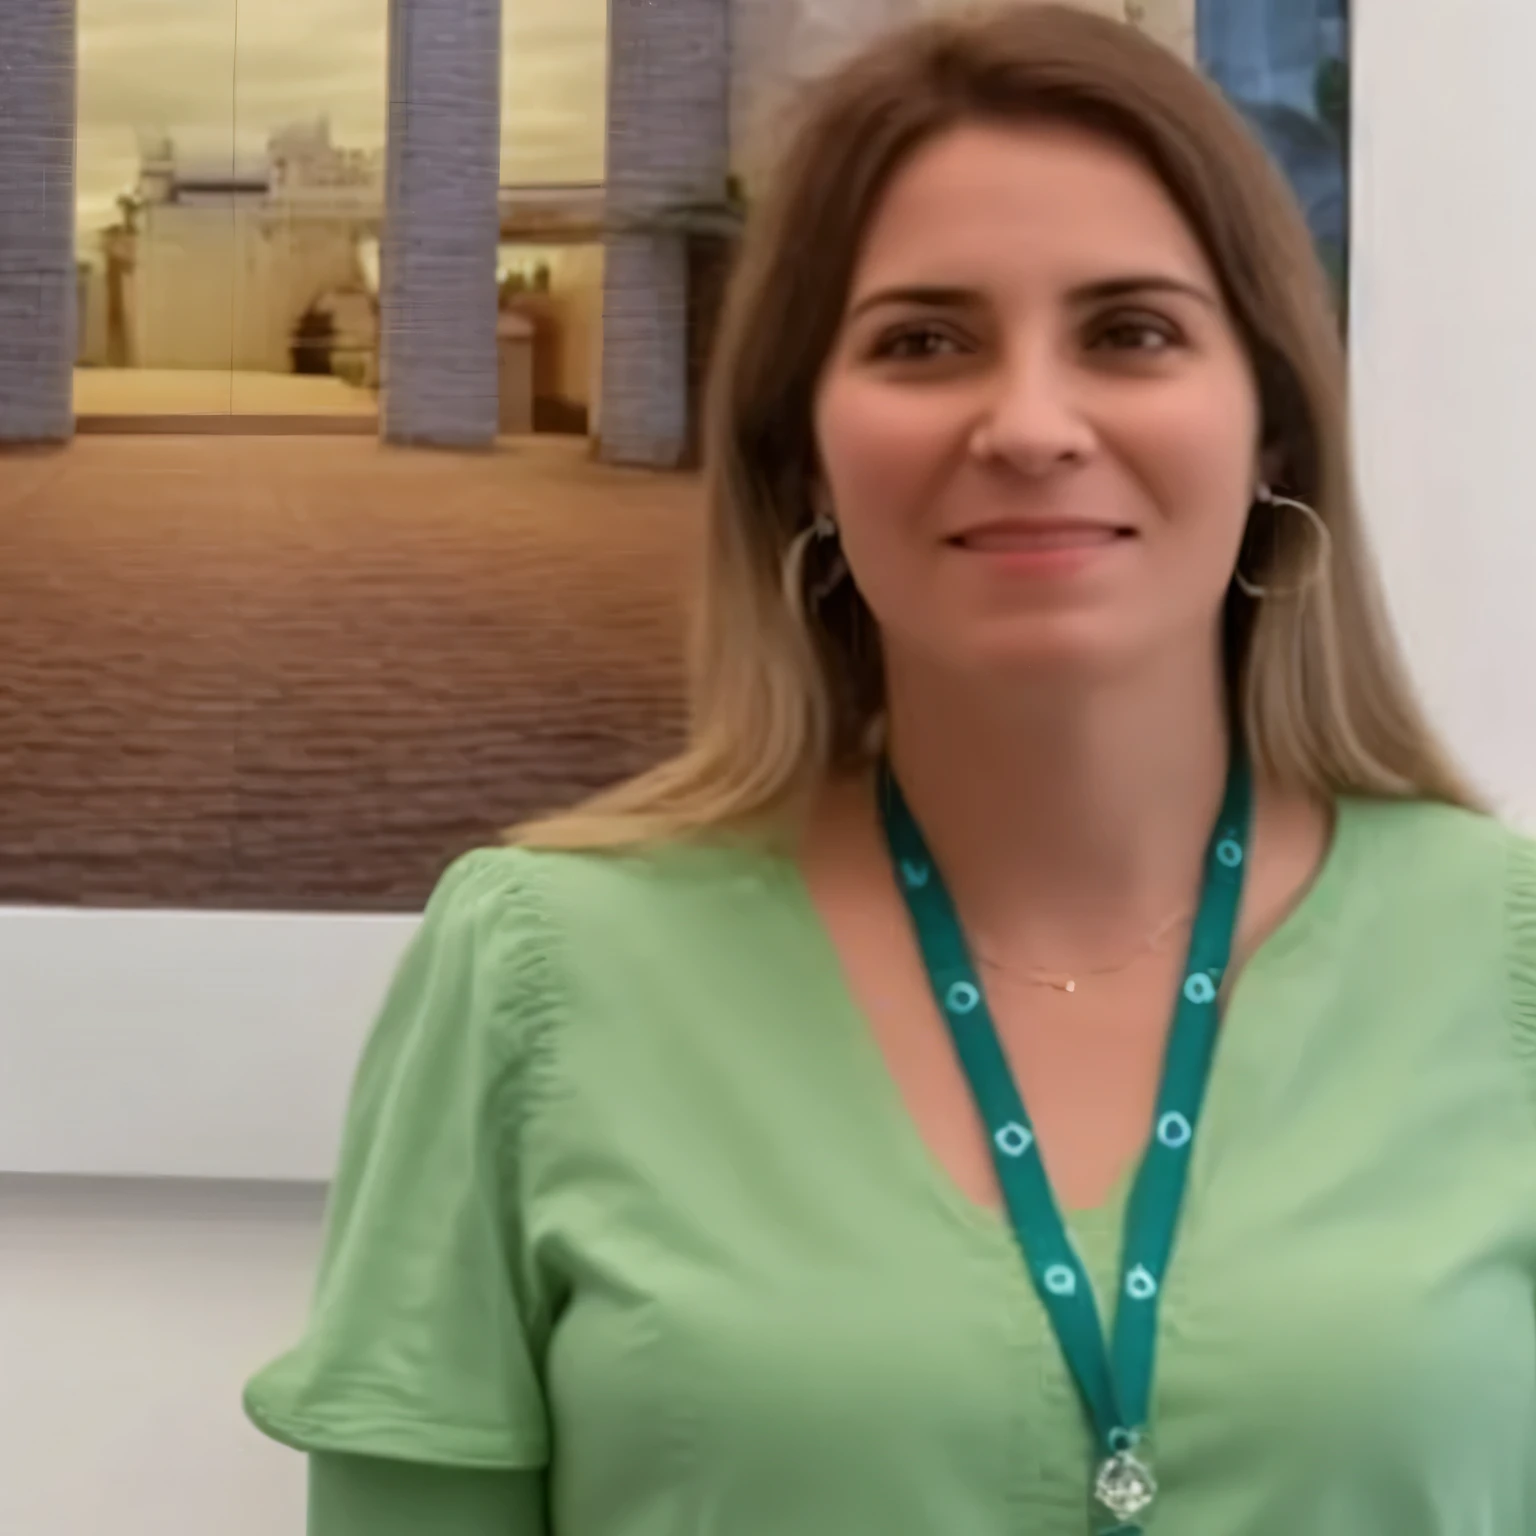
1060	981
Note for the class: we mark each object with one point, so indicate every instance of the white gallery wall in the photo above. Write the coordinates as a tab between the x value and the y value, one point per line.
129	1312
1444	360
170	1084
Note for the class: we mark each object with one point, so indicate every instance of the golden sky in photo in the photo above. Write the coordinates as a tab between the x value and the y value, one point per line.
217	74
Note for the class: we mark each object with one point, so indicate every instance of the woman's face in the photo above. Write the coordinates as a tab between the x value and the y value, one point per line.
1039	428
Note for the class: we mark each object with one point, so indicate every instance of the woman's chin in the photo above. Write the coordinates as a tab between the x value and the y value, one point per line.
1060	647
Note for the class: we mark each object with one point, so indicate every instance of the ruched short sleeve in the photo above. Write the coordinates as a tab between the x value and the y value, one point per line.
426	1329
1520	908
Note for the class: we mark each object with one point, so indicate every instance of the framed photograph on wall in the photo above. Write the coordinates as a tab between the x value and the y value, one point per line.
352	517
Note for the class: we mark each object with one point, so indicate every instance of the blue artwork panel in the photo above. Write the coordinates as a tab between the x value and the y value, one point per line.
1285	65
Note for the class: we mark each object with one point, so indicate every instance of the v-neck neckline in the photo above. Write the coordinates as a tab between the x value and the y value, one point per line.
897	1129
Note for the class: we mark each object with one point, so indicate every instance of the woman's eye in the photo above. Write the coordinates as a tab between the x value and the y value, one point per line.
916	342
1146	337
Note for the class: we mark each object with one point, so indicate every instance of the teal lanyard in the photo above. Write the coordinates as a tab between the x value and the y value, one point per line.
1115	1381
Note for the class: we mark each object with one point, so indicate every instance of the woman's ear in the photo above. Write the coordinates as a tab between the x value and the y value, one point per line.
821	501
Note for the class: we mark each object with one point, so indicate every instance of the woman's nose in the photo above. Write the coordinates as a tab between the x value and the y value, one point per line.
1033	418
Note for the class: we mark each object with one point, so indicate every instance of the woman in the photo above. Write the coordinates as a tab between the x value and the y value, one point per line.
796	1139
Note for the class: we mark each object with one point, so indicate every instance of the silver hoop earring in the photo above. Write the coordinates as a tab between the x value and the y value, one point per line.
825	531
1266	496
822	532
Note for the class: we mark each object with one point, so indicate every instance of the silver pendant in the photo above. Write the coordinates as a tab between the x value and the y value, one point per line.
1125	1486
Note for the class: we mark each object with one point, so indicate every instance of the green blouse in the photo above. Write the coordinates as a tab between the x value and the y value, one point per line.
633	1236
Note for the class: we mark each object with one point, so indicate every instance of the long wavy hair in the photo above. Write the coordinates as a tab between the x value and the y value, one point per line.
786	691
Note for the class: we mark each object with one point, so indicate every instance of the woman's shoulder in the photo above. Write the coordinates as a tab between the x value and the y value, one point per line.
1452	890
1443	847
1462	874
520	885
528	910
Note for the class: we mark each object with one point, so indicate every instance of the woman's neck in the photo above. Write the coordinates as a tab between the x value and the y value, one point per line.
1067	812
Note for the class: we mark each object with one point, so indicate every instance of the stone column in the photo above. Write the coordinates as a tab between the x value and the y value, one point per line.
668	138
37	220
441	223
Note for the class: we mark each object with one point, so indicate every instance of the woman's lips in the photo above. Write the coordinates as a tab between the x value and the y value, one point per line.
1039	538
1042	551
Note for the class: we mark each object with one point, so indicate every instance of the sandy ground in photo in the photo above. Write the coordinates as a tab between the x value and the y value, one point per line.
188	392
302	673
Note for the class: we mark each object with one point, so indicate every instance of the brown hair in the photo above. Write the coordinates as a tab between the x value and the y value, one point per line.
784	692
